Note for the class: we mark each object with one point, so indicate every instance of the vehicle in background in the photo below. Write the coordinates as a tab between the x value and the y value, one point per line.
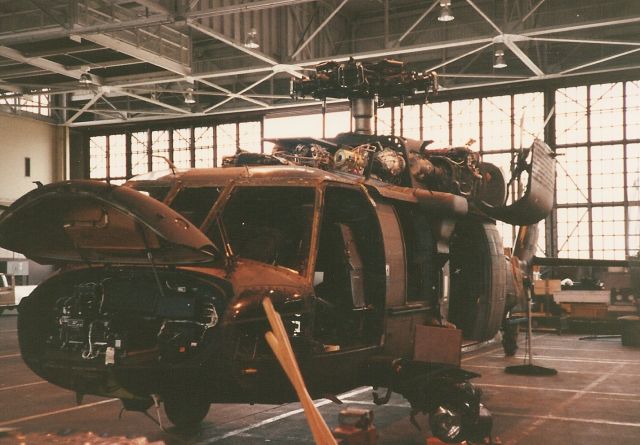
7	293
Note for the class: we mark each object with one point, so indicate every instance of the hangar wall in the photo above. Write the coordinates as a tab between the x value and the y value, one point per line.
41	142
44	144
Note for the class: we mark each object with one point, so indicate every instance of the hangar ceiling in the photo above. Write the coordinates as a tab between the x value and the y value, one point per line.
122	61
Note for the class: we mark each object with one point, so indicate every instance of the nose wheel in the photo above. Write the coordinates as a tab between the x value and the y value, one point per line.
186	412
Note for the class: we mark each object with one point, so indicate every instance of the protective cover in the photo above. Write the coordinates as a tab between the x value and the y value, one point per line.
537	201
94	222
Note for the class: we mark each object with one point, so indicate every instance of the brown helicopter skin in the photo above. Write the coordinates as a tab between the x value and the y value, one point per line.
365	263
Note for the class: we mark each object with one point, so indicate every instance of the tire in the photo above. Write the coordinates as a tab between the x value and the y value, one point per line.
478	279
186	412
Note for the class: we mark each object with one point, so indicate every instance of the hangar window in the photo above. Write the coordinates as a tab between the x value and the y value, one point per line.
436	123
249	137
528	118
108	157
182	147
465	122
203	143
159	149
411	124
139	152
30	103
98	155
227	142
598	170
384	123
117	157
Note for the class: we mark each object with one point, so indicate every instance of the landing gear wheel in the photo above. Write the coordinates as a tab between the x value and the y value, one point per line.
186	412
446	424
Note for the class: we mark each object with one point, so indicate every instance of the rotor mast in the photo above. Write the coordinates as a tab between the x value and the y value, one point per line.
365	83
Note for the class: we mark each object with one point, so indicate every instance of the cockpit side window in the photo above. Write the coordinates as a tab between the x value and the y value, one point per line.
194	203
158	192
271	224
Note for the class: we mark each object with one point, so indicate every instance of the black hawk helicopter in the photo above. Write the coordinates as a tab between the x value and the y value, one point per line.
358	240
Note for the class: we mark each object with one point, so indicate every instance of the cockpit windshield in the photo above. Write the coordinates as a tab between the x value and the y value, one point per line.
194	203
269	224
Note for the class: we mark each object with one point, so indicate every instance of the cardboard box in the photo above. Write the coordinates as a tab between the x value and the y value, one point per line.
546	287
582	296
437	344
590	311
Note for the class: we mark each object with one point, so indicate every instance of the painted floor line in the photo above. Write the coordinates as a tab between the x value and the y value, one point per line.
369	402
493	350
568	419
7	388
9	355
280	417
577	360
53	413
618	400
563	371
558	348
539	388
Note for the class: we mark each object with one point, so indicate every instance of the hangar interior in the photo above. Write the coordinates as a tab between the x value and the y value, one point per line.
105	89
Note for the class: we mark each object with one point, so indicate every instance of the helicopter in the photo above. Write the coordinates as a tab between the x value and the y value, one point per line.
358	240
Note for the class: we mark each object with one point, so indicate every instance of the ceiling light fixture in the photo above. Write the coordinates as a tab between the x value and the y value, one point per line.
499	60
252	39
188	97
85	79
446	15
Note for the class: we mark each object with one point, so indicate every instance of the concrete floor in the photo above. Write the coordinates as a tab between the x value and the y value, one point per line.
594	399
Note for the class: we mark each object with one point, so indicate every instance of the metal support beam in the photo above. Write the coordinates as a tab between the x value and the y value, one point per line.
585	41
10	87
239	93
229	41
318	29
139	53
417	22
581	26
232	94
39	62
88	105
530	13
59	32
154	6
605	59
245	7
462	56
152	101
485	16
509	42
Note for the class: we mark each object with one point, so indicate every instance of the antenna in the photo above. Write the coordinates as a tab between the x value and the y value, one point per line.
171	165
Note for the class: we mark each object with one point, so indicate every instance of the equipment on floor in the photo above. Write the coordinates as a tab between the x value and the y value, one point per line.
529	368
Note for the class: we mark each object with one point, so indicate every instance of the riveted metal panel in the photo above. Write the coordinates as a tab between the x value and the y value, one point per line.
395	267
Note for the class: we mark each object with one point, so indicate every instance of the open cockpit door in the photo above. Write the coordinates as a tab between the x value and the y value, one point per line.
537	201
94	222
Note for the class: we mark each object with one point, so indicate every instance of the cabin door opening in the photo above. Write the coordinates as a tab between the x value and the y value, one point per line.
350	257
